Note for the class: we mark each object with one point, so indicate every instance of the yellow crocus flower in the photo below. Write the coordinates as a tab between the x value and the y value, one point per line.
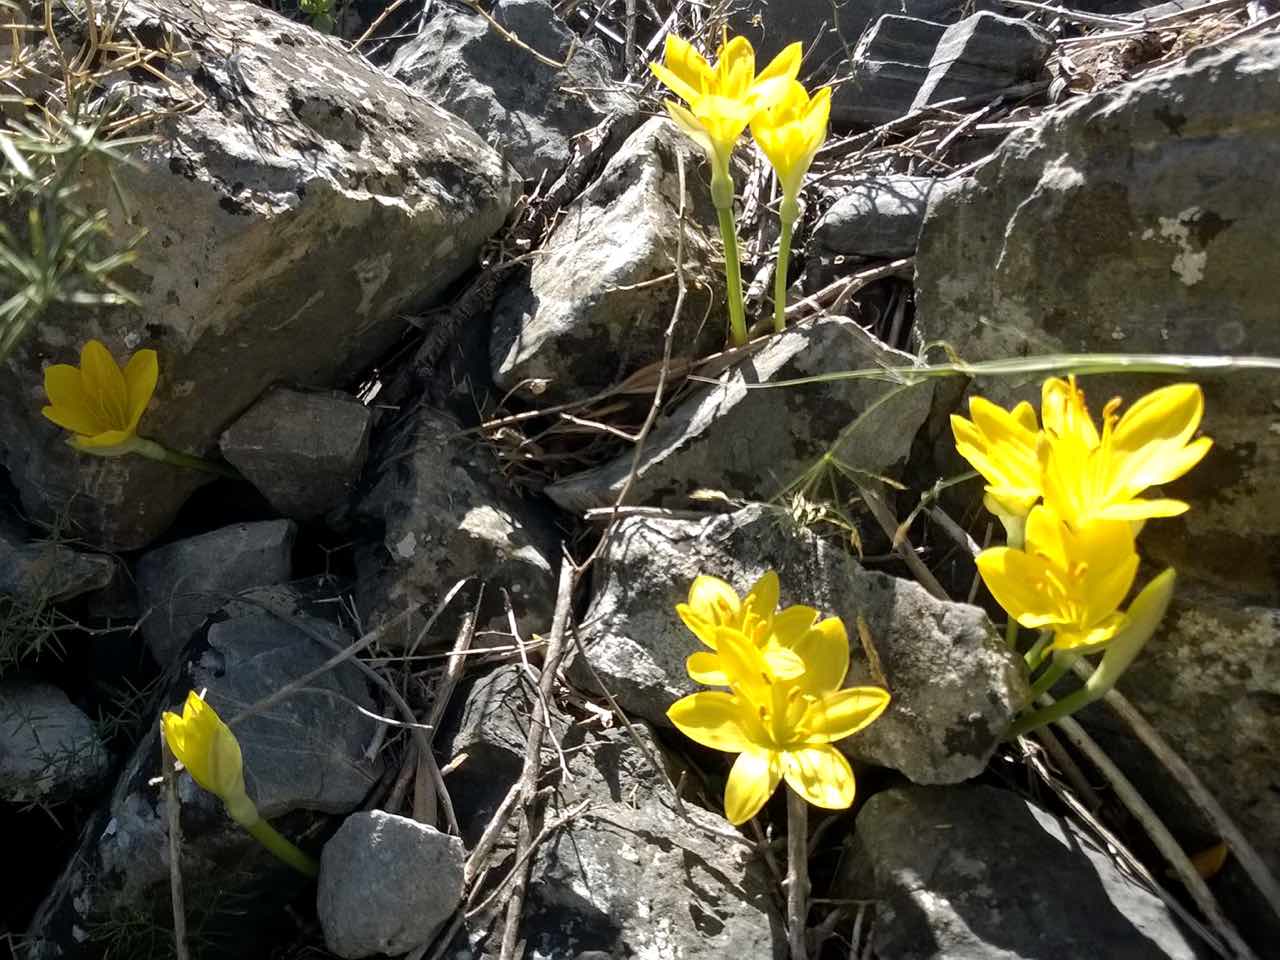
724	98
1002	446
97	401
211	753
781	729
789	133
1088	476
1069	581
714	604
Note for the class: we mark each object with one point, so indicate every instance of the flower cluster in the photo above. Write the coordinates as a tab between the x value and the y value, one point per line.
722	102
784	706
1071	499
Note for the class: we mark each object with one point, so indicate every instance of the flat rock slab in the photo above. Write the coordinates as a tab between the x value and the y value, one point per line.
292	216
888	67
983	54
878	217
954	684
40	572
1163	211
183	582
753	443
981	873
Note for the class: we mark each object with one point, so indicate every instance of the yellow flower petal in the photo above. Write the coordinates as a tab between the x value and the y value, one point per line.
704	668
1014	579
752	780
207	748
791	624
825	652
104	385
782	664
684	70
104	441
843	713
70	407
762	598
140	376
821	775
714	719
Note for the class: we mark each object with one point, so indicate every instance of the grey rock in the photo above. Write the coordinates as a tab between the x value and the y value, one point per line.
49	749
597	301
183	582
828	30
983	54
492	732
304	756
441	512
954	683
1209	681
877	217
387	884
1163	241
889	66
752	443
303	450
40	572
979	873
630	877
528	110
302	205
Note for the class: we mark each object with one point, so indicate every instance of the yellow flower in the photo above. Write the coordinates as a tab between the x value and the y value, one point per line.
714	604
723	99
210	752
790	132
1089	476
1002	446
781	728
97	401
1068	581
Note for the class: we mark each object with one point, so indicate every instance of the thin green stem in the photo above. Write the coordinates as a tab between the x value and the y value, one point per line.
1059	709
733	278
1011	633
1035	656
1053	673
155	451
787	212
797	873
281	848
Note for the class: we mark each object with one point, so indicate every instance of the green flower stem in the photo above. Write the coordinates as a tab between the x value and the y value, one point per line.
788	213
1035	656
1056	711
154	451
1011	633
1053	673
797	873
281	848
722	197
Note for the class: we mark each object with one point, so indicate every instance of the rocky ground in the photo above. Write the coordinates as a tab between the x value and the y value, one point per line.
416	284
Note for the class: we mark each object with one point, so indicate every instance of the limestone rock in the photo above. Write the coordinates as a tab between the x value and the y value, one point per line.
753	443
292	215
303	451
525	108
980	873
954	684
303	753
387	884
889	66
876	217
598	299
39	572
1163	211
49	749
492	732
183	582
984	53
440	512
630	877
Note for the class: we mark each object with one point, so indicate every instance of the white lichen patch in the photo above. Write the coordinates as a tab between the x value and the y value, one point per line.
1189	262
